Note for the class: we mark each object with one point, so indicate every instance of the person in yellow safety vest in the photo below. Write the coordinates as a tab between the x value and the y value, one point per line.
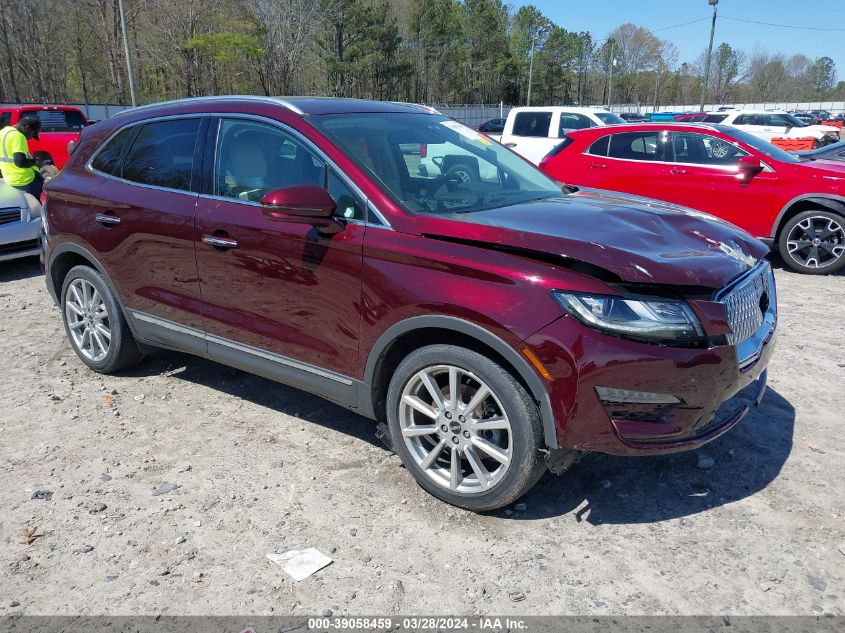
19	169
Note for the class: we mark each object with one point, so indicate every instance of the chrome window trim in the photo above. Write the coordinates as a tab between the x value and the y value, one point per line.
766	166
241	347
383	223
89	167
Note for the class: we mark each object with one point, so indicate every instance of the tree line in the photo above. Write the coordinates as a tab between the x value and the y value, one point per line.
426	51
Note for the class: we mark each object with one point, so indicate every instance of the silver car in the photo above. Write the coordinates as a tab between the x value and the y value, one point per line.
20	224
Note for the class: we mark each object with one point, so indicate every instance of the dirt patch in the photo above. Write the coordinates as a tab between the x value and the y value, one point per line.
161	490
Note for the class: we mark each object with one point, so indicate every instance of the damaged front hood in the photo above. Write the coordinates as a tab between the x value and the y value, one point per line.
637	239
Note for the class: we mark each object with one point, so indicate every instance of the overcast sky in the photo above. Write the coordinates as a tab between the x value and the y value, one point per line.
602	16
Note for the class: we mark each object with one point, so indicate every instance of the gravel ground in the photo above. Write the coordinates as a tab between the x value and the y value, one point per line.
161	490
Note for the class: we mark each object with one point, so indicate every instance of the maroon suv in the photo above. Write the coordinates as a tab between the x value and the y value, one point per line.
498	325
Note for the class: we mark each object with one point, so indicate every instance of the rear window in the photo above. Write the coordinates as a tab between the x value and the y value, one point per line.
106	160
163	154
715	118
5	119
532	124
599	148
638	146
609	118
58	120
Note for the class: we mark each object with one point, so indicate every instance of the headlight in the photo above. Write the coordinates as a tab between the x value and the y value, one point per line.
656	320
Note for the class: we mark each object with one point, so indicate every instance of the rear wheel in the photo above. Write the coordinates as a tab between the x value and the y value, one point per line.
464	427
94	322
813	242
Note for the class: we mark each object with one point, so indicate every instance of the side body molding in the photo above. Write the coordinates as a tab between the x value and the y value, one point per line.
526	373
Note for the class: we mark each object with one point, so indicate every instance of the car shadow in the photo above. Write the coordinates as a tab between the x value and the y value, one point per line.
777	263
606	489
17	269
257	390
600	489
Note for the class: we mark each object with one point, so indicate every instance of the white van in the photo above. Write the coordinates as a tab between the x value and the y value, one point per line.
534	132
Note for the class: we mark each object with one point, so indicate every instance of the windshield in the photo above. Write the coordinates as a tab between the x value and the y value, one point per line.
760	145
431	164
609	118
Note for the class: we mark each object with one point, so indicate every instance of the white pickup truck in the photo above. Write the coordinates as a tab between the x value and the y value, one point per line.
534	132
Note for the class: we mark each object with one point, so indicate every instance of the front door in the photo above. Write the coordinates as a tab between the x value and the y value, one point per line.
703	173
279	298
142	222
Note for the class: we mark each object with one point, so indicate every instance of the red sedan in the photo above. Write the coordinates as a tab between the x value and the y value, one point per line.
796	206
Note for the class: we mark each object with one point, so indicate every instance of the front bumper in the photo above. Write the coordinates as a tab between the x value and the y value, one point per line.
708	391
20	239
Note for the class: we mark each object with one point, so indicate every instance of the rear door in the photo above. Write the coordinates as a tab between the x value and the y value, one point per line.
141	224
532	134
630	162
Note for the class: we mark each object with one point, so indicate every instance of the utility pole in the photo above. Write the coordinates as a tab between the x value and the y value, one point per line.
126	51
531	67
610	76
706	82
657	85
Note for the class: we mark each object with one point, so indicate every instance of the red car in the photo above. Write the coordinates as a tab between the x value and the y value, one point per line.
59	126
796	206
482	317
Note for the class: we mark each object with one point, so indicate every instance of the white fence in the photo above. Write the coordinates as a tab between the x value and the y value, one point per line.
474	115
830	106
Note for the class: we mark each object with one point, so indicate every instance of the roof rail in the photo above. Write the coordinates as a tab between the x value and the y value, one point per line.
212	98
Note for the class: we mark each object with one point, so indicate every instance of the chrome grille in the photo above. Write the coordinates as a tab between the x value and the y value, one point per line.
10	215
745	304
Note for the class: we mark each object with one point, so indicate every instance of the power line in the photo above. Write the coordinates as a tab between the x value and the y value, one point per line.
783	26
676	26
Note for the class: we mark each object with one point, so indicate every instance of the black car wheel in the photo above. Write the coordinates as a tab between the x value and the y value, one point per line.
813	242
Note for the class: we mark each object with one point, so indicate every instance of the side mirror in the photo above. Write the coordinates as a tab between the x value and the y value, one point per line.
305	204
749	166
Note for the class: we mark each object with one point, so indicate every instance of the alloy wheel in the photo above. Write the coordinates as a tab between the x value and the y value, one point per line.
455	429
816	242
87	320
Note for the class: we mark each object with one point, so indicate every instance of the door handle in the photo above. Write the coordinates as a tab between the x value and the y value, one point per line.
219	242
510	144
677	171
598	165
106	219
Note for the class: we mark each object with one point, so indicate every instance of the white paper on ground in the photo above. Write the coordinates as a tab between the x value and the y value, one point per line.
300	563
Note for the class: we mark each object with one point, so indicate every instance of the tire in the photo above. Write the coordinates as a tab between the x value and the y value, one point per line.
497	441
462	172
89	311
813	242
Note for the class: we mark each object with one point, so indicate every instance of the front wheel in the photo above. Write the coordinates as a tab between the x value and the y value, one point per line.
813	242
464	427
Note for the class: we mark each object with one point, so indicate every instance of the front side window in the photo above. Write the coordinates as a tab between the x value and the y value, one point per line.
572	121
5	119
107	159
704	149
431	164
253	158
645	146
349	206
532	124
163	154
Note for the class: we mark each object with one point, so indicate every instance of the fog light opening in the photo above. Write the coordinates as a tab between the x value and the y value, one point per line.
626	396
